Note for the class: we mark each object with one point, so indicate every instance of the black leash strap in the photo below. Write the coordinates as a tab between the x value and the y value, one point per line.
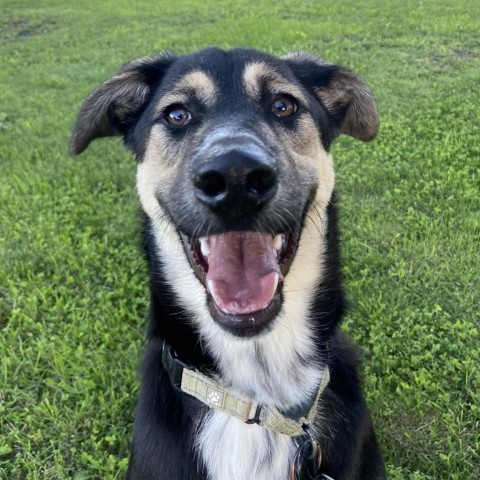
308	460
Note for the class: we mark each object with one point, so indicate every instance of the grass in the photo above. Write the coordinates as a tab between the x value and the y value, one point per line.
73	293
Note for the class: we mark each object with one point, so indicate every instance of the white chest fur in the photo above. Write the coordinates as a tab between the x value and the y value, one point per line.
234	450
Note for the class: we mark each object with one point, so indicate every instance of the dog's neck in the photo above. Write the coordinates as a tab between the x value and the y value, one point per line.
204	386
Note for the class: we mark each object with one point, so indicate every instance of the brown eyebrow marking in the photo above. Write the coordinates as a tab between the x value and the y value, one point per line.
196	83
257	74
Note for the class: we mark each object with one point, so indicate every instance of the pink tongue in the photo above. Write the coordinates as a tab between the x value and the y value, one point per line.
243	271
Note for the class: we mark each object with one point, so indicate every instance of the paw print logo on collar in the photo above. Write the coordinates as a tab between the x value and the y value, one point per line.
215	397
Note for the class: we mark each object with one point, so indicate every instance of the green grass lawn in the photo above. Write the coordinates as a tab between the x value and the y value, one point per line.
73	289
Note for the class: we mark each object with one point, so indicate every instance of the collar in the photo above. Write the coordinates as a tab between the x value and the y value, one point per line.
186	378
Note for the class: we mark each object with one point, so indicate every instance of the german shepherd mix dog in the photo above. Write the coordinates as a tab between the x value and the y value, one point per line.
246	374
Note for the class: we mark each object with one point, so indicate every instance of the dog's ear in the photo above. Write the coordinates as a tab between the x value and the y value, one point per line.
113	106
343	93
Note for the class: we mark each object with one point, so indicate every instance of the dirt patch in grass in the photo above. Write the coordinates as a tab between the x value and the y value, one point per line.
25	27
464	53
448	61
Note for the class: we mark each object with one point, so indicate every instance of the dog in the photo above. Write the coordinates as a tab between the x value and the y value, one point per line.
246	374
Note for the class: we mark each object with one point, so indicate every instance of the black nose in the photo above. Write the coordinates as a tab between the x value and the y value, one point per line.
237	182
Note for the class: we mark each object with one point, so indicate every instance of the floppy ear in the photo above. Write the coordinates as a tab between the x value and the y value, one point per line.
113	106
342	92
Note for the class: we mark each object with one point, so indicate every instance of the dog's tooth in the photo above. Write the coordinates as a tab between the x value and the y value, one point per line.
205	246
277	242
275	283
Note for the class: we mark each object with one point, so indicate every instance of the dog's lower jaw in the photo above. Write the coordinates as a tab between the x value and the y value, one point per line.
244	326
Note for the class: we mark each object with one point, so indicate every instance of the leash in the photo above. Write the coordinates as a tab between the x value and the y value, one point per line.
307	460
308	457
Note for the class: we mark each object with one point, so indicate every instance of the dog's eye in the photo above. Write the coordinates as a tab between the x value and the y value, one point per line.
283	106
177	115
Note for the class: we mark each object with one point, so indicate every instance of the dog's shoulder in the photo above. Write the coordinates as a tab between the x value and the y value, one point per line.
345	366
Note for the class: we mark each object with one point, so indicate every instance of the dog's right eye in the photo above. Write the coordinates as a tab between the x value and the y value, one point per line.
177	116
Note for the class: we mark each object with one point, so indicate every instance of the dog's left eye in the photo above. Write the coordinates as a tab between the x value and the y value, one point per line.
177	115
283	106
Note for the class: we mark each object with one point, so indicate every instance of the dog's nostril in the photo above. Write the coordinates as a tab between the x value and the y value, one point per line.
211	183
261	182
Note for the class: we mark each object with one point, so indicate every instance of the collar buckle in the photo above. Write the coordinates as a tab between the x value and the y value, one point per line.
256	417
174	365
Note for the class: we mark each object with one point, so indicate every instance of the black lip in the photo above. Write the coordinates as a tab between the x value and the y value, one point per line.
247	325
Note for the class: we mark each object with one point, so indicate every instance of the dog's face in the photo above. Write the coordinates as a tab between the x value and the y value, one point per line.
233	167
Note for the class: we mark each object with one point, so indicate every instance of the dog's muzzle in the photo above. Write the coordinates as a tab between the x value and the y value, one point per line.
241	270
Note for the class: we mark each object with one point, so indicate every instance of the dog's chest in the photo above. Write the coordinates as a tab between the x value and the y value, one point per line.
233	450
268	370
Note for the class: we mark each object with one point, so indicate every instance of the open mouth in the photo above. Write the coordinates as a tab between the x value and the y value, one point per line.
243	273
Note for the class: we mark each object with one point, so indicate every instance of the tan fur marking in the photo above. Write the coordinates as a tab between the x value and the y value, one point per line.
305	149
155	173
305	138
257	73
196	83
315	159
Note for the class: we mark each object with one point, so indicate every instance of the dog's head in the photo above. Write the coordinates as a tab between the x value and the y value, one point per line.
233	161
